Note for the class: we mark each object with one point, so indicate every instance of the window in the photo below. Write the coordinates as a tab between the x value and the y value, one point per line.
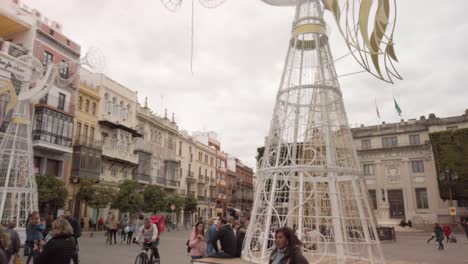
418	166
211	161
366	144
180	148
125	174
87	106
48	58
61	101
389	142
414	140
63	69
113	171
93	109
85	133
91	135
373	199
206	158
78	131
421	198
52	126
51	32
80	103
368	169
43	100
200	156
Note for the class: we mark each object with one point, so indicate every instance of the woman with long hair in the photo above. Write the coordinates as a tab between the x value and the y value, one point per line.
287	250
197	241
61	248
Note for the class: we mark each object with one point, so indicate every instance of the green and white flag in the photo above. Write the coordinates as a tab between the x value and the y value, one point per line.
397	107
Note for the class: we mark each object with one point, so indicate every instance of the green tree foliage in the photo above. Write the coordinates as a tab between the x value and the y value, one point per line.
51	193
129	198
451	151
154	199
176	200
86	192
190	203
102	197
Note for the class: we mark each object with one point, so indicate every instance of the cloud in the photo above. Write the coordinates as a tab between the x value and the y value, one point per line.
239	51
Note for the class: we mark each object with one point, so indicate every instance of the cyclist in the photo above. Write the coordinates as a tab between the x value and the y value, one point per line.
150	234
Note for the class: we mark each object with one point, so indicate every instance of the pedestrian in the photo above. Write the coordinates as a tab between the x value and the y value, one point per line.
240	236
91	224
225	235
438	234
113	227
465	226
131	230
106	226
197	241
287	248
14	245
209	236
61	248
100	224
33	235
76	231
447	232
4	243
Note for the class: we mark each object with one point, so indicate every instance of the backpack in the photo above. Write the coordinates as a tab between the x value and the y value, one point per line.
158	220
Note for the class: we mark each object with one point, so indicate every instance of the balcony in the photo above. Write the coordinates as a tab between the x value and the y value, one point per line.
171	184
111	153
161	181
87	142
8	48
190	177
200	178
142	178
192	193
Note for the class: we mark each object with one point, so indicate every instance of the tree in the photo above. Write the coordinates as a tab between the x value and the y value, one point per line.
154	199
177	200
129	199
190	203
86	192
51	193
102	197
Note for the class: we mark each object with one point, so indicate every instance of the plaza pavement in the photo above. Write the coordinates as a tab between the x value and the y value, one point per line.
408	249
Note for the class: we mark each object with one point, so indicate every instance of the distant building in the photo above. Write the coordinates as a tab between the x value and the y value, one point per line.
400	172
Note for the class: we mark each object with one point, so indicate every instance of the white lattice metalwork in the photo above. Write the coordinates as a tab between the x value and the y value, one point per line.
18	190
309	175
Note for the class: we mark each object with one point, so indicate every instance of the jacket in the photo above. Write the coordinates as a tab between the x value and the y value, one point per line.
447	230
293	257
240	241
439	234
210	233
59	250
34	232
14	242
197	246
225	235
76	227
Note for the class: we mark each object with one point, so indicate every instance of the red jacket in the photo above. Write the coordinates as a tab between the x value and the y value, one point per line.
447	230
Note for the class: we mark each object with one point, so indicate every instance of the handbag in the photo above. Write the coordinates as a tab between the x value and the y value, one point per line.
188	247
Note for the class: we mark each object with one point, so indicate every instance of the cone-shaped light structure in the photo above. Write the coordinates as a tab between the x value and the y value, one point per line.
309	178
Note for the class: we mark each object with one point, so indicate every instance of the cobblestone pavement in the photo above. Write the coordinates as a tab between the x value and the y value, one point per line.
409	248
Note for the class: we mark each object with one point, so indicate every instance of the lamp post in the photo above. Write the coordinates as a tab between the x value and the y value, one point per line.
75	180
449	178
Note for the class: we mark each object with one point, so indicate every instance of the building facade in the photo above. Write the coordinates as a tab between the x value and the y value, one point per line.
243	188
156	150
400	172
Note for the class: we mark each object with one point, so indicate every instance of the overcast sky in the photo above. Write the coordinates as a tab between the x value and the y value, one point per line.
239	54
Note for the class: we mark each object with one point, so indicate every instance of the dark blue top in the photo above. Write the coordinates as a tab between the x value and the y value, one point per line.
34	232
211	233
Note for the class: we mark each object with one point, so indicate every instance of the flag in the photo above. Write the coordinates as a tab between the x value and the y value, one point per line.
397	107
377	109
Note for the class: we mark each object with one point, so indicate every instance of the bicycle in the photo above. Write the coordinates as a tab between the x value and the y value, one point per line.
144	258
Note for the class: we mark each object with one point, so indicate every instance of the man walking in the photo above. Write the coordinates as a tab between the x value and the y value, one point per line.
76	231
227	240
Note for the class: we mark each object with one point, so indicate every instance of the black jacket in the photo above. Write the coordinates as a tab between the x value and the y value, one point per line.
76	227
59	250
239	241
226	237
291	257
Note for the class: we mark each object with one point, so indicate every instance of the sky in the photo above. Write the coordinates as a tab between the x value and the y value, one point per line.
239	51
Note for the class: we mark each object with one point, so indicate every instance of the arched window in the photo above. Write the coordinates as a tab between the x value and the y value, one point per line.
93	109
87	106
115	107
80	103
122	110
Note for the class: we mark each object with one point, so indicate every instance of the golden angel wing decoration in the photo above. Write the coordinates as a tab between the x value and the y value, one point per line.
367	27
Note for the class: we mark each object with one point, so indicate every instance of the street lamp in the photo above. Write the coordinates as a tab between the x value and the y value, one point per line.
75	180
449	178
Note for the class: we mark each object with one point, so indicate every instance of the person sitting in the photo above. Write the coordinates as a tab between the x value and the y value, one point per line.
60	249
225	235
287	248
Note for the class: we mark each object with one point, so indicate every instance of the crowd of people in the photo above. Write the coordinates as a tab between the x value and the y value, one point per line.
230	234
47	240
